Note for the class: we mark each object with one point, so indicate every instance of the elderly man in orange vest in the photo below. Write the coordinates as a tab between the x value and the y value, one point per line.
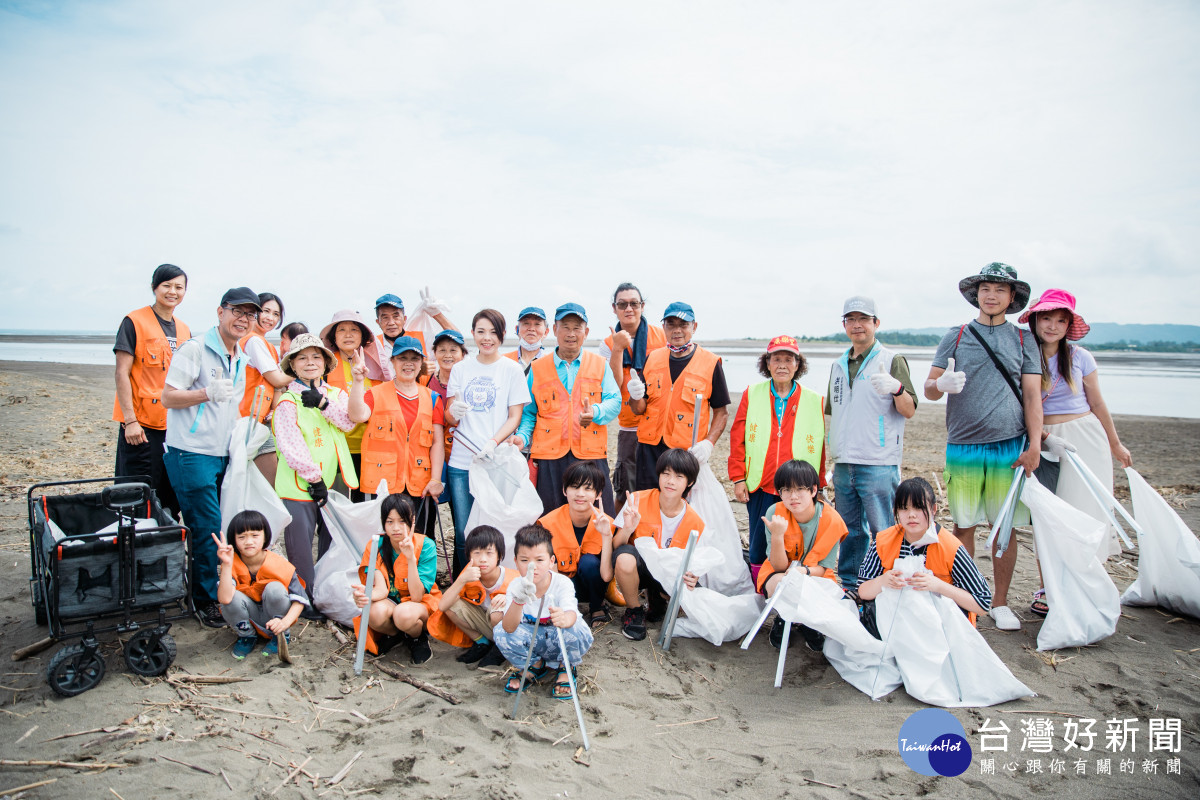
574	398
674	380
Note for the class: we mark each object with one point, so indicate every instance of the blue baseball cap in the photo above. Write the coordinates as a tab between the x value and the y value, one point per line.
531	311
567	309
406	343
450	334
681	310
389	300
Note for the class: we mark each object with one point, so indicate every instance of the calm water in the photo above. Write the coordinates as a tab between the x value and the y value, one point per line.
1150	384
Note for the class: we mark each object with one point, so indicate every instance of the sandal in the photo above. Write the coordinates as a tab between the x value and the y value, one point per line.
561	690
536	673
1038	606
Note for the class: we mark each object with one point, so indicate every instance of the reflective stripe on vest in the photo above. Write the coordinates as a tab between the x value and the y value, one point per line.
326	445
651	524
568	549
394	451
808	429
670	407
254	379
655	340
274	568
557	430
151	359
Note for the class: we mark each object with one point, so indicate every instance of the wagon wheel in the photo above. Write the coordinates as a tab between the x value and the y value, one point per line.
74	670
148	654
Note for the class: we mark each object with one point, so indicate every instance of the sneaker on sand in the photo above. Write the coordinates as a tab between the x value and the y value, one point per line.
1005	619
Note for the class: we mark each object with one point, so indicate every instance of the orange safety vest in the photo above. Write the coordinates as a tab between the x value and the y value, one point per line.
274	568
655	340
475	593
254	379
151	358
939	557
670	408
831	530
651	524
567	548
393	451
557	430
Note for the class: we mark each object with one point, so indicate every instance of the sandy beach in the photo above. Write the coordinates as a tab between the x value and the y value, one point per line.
695	722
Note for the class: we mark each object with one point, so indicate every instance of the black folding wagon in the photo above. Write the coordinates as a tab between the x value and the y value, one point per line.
106	561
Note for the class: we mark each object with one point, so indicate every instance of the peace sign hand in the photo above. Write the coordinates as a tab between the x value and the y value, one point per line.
224	551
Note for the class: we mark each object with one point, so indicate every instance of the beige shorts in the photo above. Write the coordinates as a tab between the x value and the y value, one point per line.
477	617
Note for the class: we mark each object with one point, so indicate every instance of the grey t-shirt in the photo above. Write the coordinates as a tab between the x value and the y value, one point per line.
986	409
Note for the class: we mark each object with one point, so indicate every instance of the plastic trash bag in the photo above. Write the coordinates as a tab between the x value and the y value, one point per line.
504	497
1168	554
1084	604
244	487
732	576
707	613
351	526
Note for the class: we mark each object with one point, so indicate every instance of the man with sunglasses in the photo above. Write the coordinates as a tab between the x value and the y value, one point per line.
204	385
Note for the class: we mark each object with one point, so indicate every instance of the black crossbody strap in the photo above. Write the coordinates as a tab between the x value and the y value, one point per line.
996	360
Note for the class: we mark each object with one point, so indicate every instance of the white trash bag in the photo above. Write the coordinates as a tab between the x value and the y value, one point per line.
1084	604
351	526
943	659
504	497
1168	554
244	487
708	498
707	613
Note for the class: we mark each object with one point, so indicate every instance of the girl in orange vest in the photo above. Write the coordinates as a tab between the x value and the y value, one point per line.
801	527
664	515
951	571
146	340
348	336
259	591
264	371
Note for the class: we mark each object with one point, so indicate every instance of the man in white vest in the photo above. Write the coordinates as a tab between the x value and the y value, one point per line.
866	432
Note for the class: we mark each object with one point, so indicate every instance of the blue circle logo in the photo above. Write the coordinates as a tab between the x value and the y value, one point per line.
933	742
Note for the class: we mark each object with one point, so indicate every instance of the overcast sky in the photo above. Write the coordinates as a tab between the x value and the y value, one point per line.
761	160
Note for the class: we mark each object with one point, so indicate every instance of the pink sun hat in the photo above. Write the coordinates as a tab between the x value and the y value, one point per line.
1053	299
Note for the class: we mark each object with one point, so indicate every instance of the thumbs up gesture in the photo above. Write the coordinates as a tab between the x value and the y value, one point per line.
883	383
951	382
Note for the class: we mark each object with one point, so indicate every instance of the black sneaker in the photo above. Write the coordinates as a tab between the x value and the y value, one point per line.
475	652
210	616
419	648
494	657
776	636
633	623
814	640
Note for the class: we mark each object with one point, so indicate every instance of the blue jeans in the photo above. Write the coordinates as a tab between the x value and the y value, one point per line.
459	487
756	507
196	479
863	495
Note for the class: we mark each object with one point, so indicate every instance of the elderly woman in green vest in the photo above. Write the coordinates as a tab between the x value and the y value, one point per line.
777	420
310	424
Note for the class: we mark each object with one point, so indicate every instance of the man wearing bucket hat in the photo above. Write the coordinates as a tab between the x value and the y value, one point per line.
869	398
531	330
666	394
391	319
203	387
574	398
992	373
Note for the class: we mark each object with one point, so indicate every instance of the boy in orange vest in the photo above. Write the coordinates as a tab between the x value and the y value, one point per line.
951	571
666	394
475	601
664	515
583	537
574	398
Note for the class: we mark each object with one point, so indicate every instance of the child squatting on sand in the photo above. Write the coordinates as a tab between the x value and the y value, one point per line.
541	590
259	591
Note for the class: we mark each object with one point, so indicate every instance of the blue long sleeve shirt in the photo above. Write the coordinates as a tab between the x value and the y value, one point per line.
604	412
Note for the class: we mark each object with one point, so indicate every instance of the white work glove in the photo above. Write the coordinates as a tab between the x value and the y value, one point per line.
459	409
701	450
1057	446
951	382
521	590
883	383
635	387
432	304
487	452
219	390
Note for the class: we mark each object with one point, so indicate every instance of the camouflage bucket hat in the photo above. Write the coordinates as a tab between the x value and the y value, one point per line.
996	272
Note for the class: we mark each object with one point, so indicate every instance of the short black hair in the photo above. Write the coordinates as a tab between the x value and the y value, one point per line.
248	520
681	461
166	272
532	536
796	474
292	329
401	505
482	537
585	475
493	316
628	287
764	365
915	493
263	297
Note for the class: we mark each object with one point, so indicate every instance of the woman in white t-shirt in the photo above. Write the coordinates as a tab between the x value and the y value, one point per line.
485	398
264	371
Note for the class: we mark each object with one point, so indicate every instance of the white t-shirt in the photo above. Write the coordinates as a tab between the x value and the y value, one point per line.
669	524
489	389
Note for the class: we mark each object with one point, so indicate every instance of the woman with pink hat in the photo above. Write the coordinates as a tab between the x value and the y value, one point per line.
1073	409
